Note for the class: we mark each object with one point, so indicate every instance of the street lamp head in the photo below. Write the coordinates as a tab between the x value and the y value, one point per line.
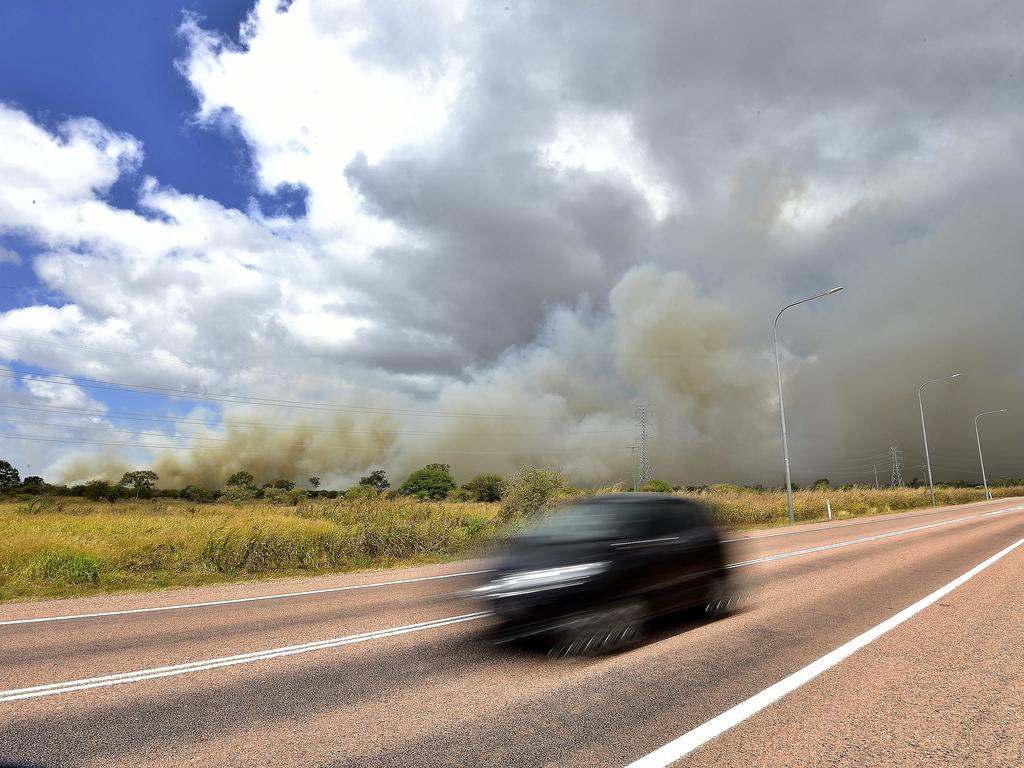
837	289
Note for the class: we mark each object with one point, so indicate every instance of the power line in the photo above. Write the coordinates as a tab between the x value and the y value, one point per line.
136	416
252	400
83	441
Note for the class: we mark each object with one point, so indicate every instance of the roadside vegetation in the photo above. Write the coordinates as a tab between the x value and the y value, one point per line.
58	541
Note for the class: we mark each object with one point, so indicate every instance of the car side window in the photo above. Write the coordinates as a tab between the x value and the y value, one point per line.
680	519
667	520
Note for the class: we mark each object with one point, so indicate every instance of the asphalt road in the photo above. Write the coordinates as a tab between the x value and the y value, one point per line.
372	674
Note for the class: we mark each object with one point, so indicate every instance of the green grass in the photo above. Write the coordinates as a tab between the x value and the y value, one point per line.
61	547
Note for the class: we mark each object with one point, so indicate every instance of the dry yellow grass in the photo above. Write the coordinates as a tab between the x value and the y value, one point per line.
67	546
57	547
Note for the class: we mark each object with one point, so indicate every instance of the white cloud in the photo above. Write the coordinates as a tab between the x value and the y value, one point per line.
606	143
308	104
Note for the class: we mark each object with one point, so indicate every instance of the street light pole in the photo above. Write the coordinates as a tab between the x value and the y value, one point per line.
782	405
633	449
981	458
924	432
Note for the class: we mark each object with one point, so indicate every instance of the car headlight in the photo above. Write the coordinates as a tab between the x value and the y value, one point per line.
525	582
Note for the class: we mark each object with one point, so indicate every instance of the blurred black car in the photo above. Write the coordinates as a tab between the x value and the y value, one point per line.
589	577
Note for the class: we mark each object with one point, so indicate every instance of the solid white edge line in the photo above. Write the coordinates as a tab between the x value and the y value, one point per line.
69	686
232	601
688	742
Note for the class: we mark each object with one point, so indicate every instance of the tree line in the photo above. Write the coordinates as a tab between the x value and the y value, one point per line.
431	482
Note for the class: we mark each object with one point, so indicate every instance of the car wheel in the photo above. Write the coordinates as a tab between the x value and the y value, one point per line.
722	597
604	630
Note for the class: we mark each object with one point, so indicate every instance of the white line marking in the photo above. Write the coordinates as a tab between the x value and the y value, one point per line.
702	734
875	520
862	540
245	658
181	606
53	689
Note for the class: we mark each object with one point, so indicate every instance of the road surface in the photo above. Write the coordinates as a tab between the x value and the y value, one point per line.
364	673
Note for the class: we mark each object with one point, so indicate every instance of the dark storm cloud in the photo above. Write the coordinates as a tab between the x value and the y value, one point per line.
908	114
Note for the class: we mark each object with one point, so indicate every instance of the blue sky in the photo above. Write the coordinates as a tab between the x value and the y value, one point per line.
64	60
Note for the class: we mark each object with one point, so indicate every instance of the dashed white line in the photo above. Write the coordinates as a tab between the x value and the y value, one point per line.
52	689
688	742
883	518
863	539
232	601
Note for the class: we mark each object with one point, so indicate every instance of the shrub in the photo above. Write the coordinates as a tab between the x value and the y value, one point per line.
361	492
486	487
238	494
530	490
656	486
461	494
96	490
434	481
198	494
278	496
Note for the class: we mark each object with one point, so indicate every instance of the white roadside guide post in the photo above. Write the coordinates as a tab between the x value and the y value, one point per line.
924	432
828	506
782	407
981	458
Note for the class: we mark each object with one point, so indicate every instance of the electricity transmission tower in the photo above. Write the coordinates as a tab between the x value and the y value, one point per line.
645	473
895	459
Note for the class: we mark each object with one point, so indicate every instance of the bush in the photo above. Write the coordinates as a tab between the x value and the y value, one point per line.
461	494
201	495
434	481
95	489
656	486
275	495
486	487
361	491
530	490
238	494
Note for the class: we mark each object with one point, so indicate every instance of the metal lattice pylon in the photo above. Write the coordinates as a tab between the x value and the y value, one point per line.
645	473
895	459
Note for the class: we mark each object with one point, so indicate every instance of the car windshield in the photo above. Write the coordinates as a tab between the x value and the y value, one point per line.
590	522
